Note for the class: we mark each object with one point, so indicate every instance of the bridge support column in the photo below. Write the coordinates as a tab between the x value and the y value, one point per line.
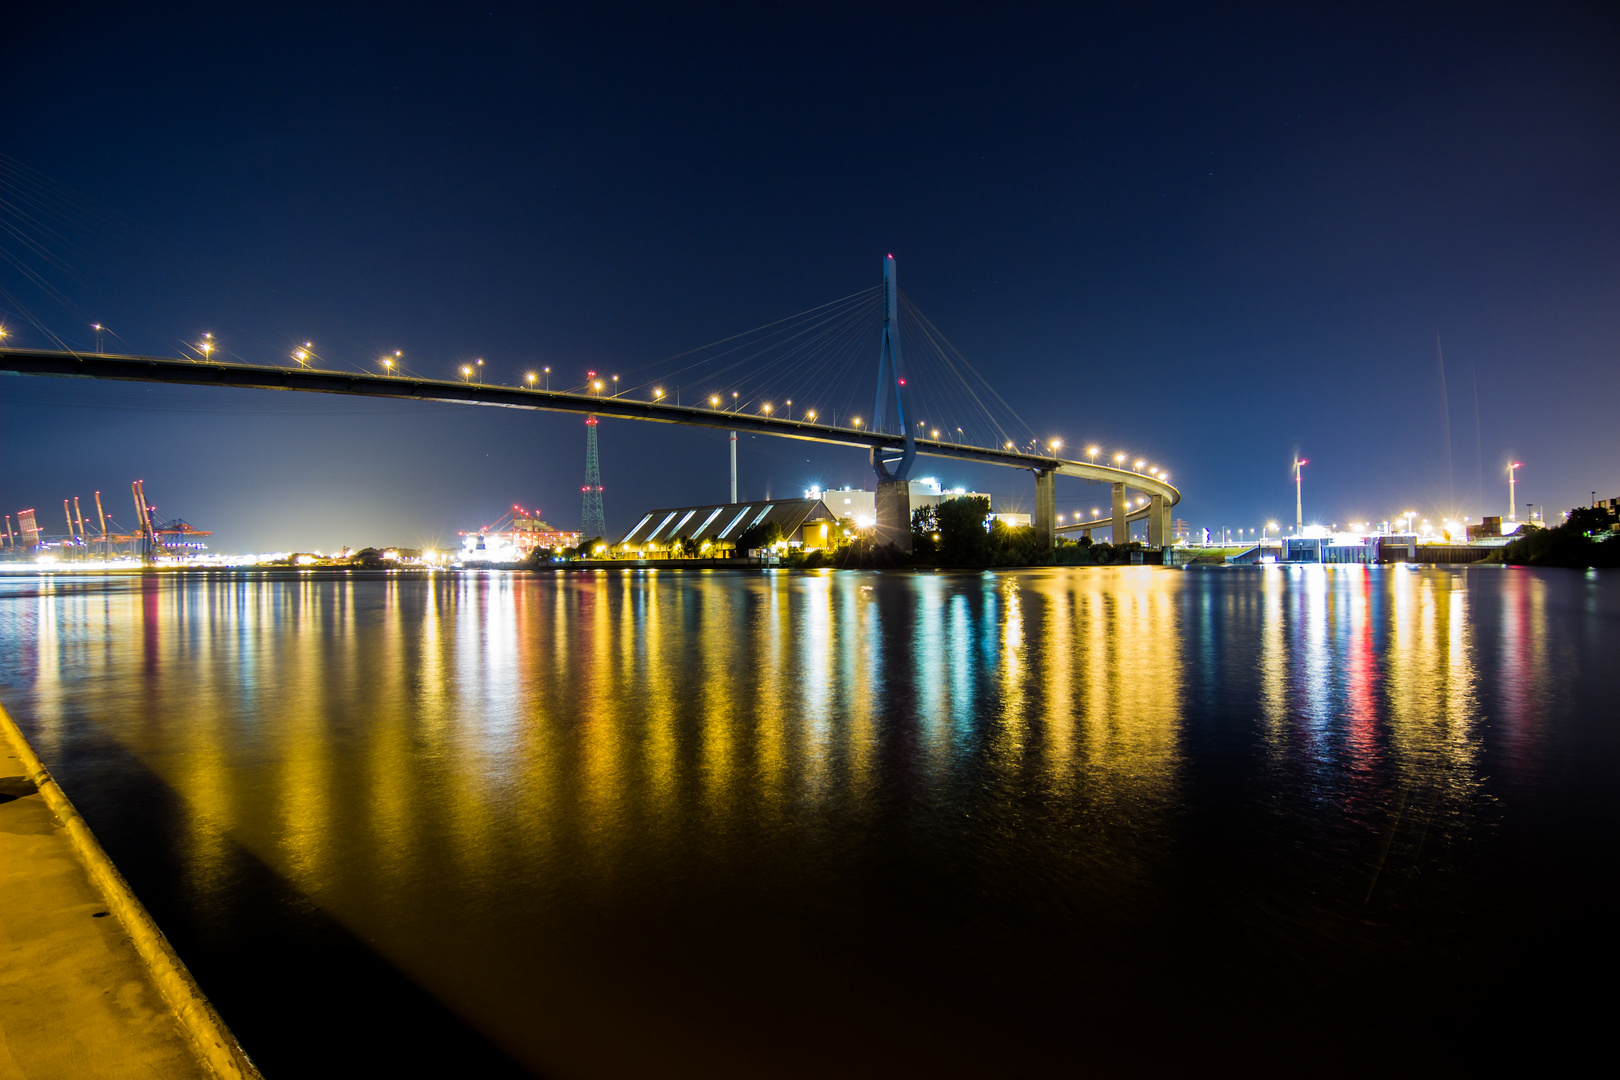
1122	531
894	514
1158	522
1046	509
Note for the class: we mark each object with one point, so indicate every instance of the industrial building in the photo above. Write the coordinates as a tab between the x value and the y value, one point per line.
806	523
861	506
815	521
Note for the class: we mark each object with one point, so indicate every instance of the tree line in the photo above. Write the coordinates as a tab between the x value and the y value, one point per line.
1585	539
961	532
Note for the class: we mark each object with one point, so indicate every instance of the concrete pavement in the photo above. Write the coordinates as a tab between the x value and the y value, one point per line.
83	972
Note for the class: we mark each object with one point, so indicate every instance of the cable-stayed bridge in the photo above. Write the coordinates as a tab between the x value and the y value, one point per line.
928	400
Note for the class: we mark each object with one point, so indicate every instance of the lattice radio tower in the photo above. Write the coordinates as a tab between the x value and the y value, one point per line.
592	523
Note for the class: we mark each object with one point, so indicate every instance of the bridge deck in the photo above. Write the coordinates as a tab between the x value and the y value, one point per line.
400	387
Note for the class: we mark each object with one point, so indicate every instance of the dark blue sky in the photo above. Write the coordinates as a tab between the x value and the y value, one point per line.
1208	235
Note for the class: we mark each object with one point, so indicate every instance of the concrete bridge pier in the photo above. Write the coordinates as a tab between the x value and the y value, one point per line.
1122	530
1158	521
894	514
1046	508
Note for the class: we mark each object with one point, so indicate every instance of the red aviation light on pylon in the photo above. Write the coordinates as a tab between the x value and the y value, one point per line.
902	382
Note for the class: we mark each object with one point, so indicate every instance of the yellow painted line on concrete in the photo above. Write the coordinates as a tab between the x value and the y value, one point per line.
213	1042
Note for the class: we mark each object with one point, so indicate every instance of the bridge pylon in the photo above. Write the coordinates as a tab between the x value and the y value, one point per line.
1046	508
593	523
893	474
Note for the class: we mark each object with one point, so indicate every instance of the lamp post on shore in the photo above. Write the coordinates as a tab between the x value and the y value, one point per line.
1299	511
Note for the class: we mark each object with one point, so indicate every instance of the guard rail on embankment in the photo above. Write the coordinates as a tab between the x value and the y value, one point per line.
1373	555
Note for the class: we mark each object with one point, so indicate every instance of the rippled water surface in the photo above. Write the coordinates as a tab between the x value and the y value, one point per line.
713	823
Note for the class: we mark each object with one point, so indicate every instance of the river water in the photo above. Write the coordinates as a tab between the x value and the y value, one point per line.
840	823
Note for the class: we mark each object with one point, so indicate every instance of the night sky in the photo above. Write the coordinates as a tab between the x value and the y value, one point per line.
1209	235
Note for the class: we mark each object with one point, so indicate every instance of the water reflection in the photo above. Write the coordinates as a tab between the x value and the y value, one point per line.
498	780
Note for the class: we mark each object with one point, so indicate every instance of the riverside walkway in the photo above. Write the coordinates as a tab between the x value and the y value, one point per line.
88	987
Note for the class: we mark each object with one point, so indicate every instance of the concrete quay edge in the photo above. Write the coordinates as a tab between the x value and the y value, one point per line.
212	1040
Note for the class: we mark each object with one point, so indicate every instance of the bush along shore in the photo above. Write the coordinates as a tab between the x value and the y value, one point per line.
1586	539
